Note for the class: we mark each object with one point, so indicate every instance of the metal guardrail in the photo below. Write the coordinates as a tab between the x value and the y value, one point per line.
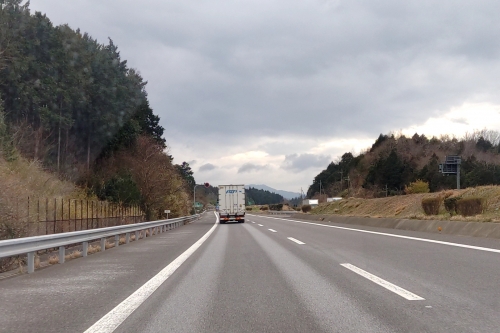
29	245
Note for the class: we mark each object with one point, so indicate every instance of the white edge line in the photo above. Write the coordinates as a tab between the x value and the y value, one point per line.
383	283
272	230
296	240
120	313
479	248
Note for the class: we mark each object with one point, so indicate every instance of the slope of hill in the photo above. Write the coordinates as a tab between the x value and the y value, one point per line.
394	161
409	206
284	194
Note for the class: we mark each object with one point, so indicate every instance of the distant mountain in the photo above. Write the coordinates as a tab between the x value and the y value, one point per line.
284	194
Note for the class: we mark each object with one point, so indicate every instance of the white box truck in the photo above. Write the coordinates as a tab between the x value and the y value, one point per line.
231	203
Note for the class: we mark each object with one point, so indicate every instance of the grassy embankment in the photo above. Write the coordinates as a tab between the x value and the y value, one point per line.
409	206
21	179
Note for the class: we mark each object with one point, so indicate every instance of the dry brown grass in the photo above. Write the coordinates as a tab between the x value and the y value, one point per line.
122	240
409	206
75	254
132	237
37	262
109	245
93	249
53	259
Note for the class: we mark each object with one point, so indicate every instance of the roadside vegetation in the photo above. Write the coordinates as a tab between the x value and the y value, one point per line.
75	121
395	161
480	204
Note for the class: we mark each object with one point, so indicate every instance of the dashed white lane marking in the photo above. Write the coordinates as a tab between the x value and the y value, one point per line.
296	240
272	230
120	313
386	284
253	222
260	225
479	248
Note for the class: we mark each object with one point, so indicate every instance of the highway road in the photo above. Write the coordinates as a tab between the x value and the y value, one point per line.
270	274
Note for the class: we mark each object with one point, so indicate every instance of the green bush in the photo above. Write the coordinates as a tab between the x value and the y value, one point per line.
264	208
431	205
418	186
249	208
306	208
277	207
450	204
469	206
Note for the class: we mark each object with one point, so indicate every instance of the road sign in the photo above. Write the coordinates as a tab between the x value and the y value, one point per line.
167	211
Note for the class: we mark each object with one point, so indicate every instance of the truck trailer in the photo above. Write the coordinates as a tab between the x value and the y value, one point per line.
231	203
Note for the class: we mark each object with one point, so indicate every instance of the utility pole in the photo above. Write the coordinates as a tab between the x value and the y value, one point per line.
341	179
348	185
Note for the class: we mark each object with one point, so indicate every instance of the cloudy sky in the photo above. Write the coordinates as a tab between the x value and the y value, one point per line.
269	92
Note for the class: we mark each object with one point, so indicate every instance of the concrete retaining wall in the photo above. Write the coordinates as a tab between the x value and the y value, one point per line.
476	229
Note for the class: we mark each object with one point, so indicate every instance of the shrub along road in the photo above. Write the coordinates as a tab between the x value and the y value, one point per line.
268	274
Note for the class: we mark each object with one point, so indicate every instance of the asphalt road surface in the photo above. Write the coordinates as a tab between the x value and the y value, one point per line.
266	275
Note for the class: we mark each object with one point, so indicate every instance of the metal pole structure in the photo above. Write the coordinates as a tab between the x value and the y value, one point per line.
194	198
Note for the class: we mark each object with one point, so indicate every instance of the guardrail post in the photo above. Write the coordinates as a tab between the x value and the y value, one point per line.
62	254
137	235
103	244
117	240
127	238
150	232
31	262
85	249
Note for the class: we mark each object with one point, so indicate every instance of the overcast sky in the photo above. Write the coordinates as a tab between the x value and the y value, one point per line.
269	92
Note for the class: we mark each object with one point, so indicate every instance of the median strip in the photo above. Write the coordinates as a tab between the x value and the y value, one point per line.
296	240
386	284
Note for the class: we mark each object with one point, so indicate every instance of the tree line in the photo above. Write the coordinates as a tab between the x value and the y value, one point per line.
73	104
261	197
394	161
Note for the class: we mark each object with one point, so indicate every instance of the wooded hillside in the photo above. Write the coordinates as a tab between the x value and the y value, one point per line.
72	104
394	161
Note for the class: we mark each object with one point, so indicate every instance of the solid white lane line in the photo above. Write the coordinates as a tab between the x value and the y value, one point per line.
479	248
260	225
272	230
386	284
296	240
120	313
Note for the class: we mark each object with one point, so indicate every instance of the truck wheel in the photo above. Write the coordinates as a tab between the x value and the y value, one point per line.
242	221
222	222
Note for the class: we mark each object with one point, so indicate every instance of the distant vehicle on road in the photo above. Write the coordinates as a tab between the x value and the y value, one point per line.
231	203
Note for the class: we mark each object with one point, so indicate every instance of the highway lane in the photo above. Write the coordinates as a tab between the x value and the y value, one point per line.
271	275
276	275
73	296
460	285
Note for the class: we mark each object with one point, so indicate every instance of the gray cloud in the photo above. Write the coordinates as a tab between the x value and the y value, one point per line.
250	167
230	73
207	167
300	162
